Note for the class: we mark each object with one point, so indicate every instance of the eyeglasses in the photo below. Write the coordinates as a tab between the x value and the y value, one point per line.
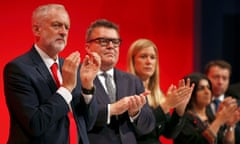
103	42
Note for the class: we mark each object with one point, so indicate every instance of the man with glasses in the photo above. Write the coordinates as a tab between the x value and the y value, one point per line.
123	111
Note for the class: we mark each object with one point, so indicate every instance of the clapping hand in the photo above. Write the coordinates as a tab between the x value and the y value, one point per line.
89	68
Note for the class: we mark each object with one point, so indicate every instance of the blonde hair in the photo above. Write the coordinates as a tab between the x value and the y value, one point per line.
156	97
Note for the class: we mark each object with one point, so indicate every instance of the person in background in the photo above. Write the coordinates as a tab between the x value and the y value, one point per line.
234	90
219	72
40	99
201	127
142	61
123	111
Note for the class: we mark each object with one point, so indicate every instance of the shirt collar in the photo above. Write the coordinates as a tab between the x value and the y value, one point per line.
46	59
221	97
110	72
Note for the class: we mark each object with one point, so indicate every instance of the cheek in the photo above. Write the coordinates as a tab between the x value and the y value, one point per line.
138	68
96	50
117	53
199	97
138	62
154	63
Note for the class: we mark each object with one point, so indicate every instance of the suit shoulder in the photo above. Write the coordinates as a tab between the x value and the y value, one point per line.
235	86
25	57
21	61
125	74
234	90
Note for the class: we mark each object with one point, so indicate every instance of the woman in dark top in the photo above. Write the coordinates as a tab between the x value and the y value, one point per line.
143	62
201	127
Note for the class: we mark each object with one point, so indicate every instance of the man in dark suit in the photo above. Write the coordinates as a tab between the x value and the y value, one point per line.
123	111
219	72
38	104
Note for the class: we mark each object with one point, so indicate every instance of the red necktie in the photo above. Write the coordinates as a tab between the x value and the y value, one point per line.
73	127
54	69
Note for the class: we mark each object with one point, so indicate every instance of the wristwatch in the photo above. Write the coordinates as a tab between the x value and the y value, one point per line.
88	91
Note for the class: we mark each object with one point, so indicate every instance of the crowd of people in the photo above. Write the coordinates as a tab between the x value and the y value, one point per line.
45	92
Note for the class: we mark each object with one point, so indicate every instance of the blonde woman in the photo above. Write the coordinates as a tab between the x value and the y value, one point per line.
142	60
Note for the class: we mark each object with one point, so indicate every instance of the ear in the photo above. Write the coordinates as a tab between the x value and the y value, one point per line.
87	48
36	29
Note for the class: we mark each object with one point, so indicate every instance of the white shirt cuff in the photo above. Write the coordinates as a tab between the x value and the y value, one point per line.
108	114
65	94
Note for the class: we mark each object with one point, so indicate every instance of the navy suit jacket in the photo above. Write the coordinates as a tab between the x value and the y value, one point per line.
38	115
123	131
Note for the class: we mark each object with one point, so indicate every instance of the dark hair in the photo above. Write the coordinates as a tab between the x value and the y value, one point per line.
220	63
195	78
100	23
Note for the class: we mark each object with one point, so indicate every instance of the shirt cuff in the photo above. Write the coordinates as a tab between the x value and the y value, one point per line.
87	97
135	117
108	114
65	94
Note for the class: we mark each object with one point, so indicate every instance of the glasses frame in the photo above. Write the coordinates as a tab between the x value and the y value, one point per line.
101	41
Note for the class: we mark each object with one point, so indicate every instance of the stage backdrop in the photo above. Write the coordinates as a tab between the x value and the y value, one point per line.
169	23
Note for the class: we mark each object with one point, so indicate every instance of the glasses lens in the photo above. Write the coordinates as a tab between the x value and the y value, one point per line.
106	41
103	42
116	42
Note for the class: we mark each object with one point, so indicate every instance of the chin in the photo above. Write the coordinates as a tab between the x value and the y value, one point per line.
60	47
148	74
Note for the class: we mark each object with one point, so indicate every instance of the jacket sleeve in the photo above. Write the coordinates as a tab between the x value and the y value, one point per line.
145	122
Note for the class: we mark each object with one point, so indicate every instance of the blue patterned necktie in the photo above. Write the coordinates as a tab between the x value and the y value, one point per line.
216	102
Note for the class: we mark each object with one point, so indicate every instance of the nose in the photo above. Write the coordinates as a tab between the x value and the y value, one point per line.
149	60
207	90
63	30
110	44
220	81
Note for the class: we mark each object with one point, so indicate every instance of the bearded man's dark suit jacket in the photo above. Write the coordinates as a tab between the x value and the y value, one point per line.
120	126
38	115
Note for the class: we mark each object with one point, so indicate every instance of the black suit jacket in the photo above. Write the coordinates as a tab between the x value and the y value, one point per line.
121	129
166	125
234	91
38	115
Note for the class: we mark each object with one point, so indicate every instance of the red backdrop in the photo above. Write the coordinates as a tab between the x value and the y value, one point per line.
169	23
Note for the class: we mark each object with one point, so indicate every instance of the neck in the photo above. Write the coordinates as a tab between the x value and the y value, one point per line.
201	110
145	83
105	68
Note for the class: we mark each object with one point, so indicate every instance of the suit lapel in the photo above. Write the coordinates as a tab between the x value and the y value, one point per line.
42	69
120	84
100	92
